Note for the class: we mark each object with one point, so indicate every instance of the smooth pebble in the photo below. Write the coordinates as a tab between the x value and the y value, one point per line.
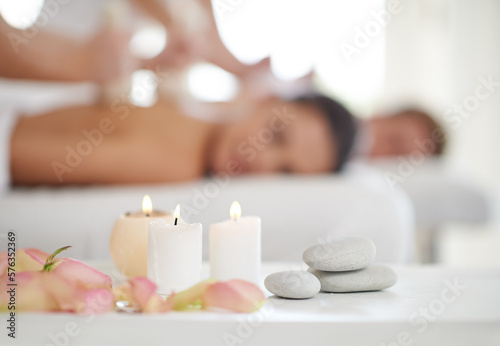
349	253
294	284
373	278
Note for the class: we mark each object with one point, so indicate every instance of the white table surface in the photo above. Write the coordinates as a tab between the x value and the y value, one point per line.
395	316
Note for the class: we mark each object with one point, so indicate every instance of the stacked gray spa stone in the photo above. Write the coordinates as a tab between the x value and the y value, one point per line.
343	265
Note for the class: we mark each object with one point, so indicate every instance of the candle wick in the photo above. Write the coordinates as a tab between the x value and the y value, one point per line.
175	222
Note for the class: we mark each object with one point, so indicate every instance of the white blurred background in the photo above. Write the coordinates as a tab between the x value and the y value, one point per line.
435	54
428	52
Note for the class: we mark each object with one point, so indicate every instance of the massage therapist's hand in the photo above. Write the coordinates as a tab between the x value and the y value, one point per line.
176	55
106	57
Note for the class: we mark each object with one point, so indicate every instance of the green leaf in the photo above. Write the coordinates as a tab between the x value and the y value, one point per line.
47	267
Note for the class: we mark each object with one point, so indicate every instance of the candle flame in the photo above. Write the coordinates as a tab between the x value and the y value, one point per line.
147	205
177	211
235	210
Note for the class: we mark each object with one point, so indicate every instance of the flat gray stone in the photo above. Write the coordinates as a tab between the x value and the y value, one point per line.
349	253
373	278
294	284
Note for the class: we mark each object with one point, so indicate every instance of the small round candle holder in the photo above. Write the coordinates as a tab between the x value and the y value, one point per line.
128	243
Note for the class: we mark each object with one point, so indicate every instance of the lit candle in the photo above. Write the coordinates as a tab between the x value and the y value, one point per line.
174	254
129	239
235	247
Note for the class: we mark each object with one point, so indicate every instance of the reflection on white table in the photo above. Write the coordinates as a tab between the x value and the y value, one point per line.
428	306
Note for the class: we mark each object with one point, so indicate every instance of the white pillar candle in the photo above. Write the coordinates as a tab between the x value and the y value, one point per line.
235	249
174	254
128	242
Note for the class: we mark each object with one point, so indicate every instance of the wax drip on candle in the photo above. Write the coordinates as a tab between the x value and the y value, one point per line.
177	213
147	205
235	211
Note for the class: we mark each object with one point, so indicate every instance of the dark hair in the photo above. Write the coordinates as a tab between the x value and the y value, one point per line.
342	124
436	132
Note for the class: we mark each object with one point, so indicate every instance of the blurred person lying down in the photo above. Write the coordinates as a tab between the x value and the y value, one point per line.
400	133
98	144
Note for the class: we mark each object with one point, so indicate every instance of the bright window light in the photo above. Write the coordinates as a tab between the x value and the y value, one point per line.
144	88
20	14
149	41
210	83
307	35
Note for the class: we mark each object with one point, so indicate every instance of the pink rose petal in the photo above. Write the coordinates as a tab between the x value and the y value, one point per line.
97	301
29	259
47	291
36	254
192	297
73	297
3	263
81	274
233	295
64	292
145	297
31	294
142	290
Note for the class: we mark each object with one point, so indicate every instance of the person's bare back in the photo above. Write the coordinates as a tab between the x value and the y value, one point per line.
103	145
